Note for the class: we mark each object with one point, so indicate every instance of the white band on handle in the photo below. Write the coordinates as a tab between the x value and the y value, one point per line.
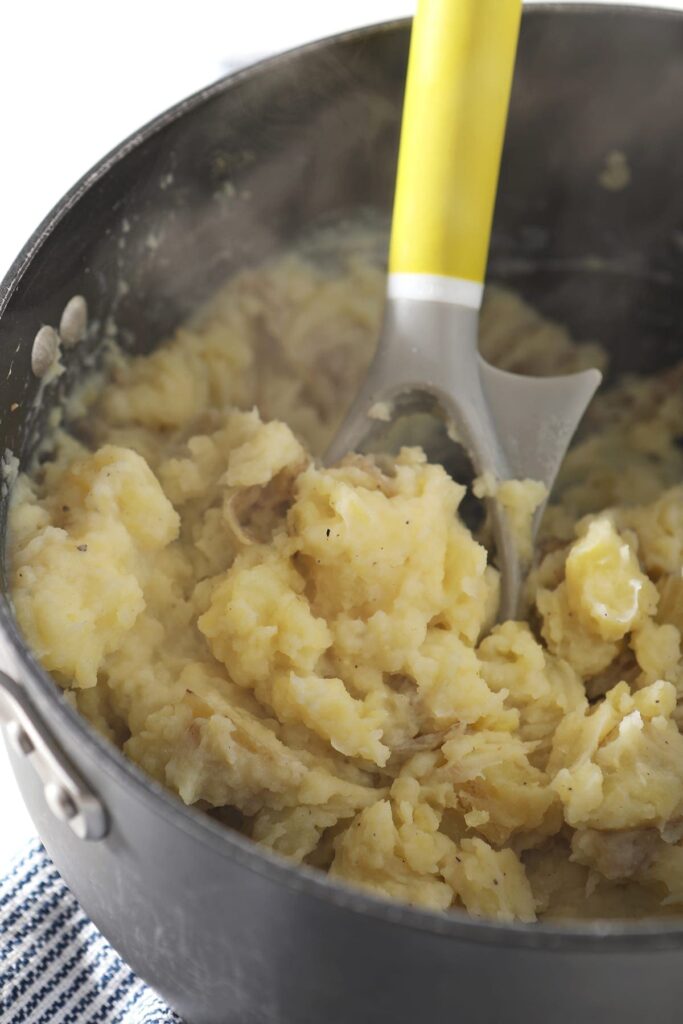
434	288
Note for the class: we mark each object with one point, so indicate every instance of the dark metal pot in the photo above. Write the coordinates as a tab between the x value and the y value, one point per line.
221	929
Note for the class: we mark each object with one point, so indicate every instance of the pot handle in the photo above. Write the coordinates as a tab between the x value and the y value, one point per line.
69	798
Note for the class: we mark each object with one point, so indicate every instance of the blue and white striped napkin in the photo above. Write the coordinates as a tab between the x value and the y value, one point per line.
55	967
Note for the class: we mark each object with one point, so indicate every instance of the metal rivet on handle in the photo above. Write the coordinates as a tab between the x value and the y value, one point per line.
19	739
74	321
60	803
67	794
44	351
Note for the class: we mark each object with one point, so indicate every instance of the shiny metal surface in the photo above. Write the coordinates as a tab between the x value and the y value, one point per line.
66	794
224	931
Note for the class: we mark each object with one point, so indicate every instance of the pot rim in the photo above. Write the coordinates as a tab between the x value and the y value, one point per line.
596	935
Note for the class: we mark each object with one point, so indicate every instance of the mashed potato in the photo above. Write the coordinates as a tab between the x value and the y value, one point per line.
310	653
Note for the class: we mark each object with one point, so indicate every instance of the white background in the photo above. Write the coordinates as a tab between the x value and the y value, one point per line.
77	77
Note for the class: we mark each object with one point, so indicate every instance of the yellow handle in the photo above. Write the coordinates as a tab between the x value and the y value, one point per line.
462	55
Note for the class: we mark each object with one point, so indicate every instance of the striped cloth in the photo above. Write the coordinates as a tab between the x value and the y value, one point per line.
55	967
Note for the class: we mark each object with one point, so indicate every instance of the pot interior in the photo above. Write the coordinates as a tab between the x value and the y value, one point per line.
254	162
237	172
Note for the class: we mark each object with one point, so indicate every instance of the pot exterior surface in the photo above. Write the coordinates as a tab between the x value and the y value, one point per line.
224	944
220	182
